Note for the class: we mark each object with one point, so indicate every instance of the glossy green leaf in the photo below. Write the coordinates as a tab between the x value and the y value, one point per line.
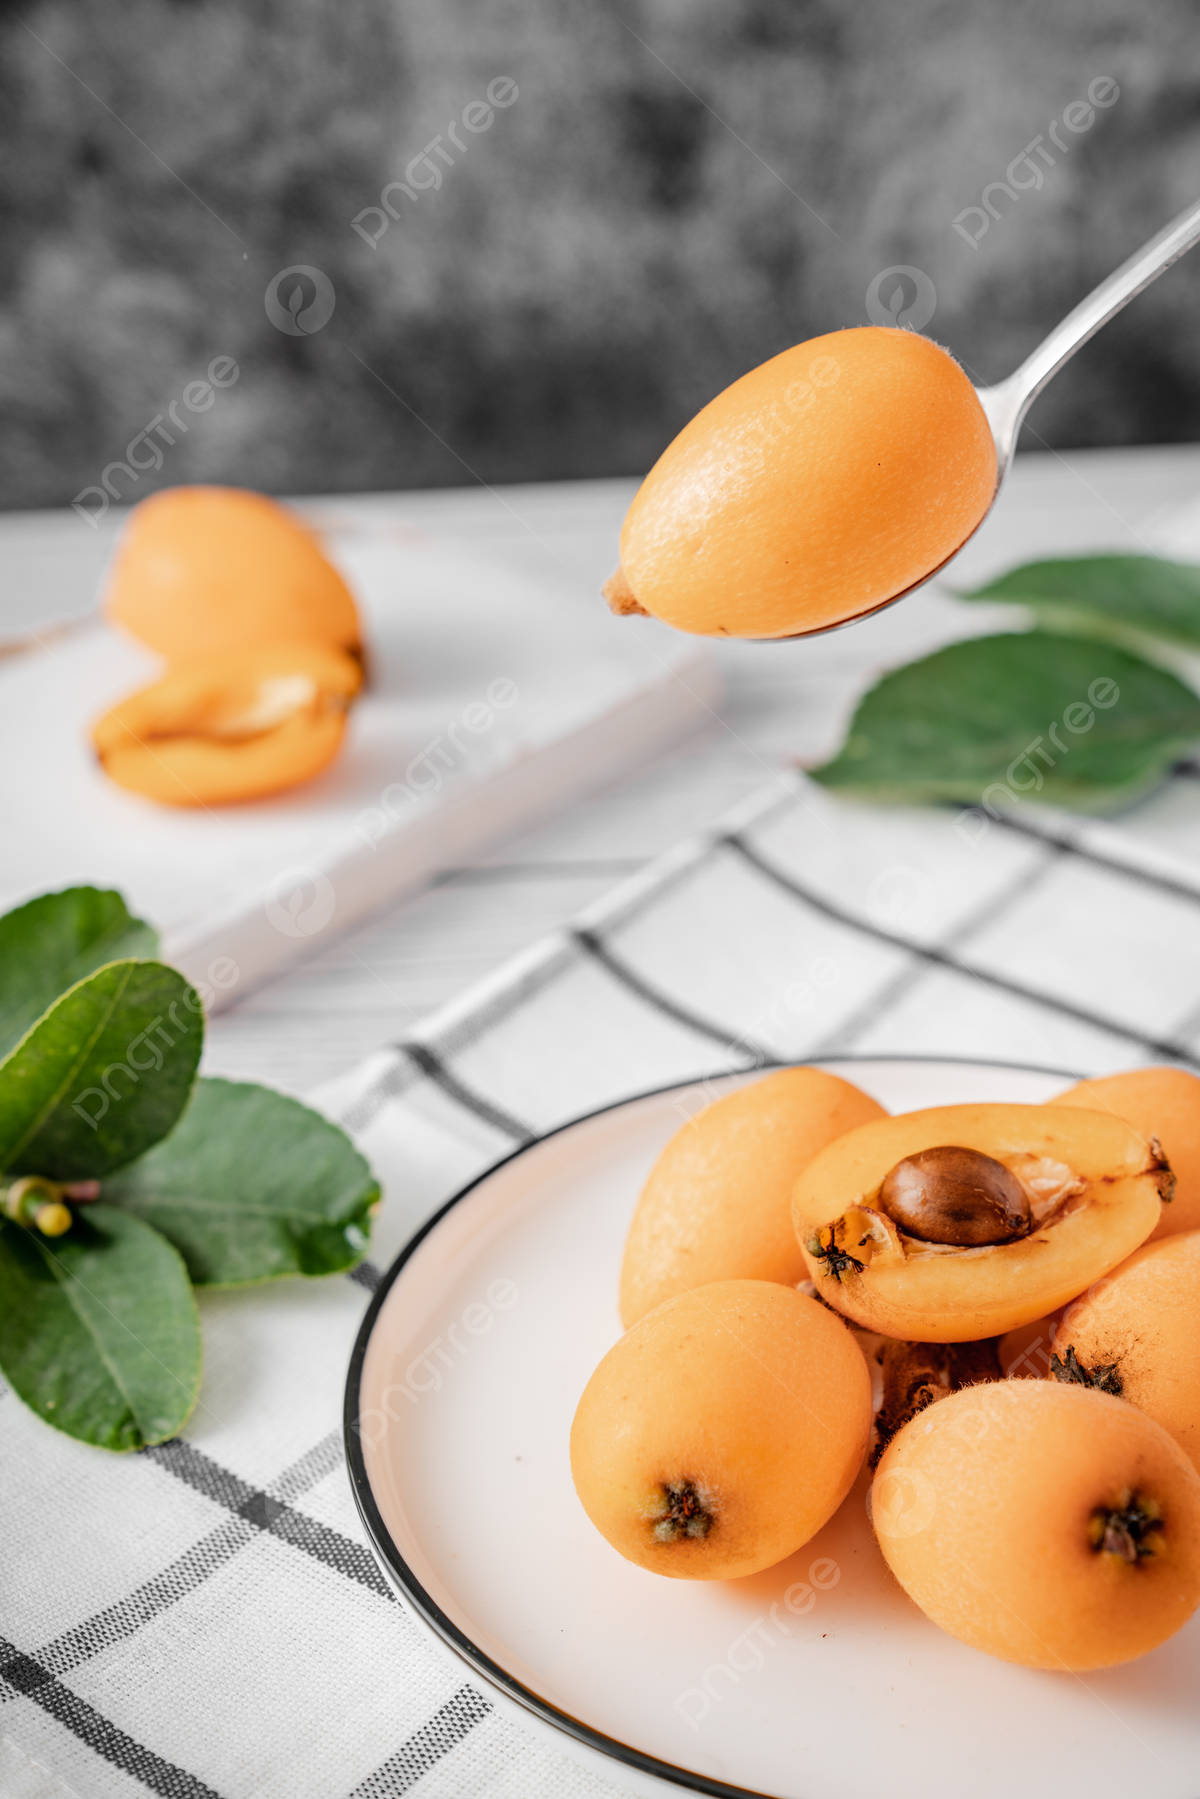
995	720
103	1075
98	1329
1129	595
51	942
252	1185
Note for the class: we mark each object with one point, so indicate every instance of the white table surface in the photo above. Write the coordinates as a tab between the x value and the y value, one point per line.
785	701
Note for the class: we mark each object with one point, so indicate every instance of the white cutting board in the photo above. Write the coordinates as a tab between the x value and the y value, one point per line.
495	699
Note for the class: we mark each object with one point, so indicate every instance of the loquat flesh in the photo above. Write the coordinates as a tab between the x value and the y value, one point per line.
232	727
1090	1185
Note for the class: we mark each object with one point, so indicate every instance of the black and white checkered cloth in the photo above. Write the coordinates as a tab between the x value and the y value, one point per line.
205	1619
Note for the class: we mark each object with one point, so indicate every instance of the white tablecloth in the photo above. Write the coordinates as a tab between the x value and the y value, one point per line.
205	1618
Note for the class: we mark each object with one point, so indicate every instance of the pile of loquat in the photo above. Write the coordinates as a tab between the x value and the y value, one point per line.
262	642
810	1285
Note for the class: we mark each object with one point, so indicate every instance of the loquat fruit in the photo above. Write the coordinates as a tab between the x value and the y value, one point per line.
231	727
816	488
1135	1334
1049	1525
717	1204
1163	1103
722	1431
968	1221
202	571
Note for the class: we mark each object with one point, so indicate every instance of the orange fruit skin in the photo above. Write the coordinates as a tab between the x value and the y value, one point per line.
815	488
933	1294
202	570
165	741
717	1205
983	1505
1143	1317
749	1390
1162	1103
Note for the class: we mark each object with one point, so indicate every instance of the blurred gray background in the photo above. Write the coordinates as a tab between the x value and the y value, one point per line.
663	193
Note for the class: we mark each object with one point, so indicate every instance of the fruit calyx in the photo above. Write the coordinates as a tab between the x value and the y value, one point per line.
956	1196
1131	1530
1105	1377
680	1512
824	1247
1161	1168
621	597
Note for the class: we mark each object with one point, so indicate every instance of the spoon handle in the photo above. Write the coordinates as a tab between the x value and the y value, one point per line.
1084	320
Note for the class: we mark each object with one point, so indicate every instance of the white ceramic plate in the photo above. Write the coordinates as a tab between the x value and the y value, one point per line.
814	1680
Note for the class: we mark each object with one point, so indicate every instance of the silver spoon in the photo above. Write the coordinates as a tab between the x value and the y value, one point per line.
1008	401
1006	404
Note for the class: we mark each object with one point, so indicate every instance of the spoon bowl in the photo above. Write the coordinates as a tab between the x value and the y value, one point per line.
732	535
1006	403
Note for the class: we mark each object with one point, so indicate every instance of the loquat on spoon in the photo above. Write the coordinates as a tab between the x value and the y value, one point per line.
842	474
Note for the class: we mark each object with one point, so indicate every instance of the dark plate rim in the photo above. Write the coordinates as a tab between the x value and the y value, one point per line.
385	1549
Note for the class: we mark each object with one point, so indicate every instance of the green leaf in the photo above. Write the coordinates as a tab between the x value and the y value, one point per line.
1067	720
51	942
252	1185
1128	595
103	1075
98	1329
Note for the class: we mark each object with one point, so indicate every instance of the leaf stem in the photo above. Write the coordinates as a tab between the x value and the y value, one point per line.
38	1203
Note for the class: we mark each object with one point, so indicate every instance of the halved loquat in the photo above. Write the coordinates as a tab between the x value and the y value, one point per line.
722	1431
233	727
814	489
717	1205
968	1221
1048	1525
204	570
1134	1334
1162	1103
